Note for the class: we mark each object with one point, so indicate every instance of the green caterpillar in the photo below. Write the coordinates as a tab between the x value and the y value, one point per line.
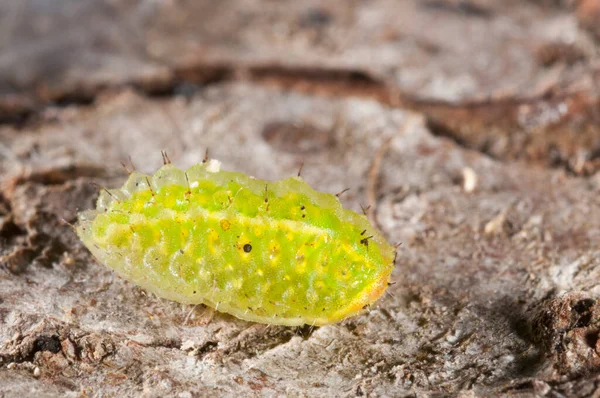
270	252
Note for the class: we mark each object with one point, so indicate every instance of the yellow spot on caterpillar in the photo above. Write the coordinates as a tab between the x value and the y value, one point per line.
225	225
213	241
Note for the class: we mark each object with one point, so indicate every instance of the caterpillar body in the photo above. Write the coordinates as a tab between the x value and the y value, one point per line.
270	252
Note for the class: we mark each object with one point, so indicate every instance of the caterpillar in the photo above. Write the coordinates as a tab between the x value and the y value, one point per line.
269	252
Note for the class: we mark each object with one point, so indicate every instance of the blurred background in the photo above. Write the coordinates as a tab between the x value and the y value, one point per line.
515	79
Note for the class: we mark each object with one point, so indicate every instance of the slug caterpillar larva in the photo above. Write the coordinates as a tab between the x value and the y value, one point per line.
271	252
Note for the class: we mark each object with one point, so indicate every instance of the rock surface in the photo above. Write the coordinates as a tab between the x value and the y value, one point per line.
469	127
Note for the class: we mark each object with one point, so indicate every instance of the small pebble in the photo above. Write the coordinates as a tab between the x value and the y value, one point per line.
469	179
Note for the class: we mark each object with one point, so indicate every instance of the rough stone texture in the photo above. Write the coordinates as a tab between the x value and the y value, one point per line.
470	127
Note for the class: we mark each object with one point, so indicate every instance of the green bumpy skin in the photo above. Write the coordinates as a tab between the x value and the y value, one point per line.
269	252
